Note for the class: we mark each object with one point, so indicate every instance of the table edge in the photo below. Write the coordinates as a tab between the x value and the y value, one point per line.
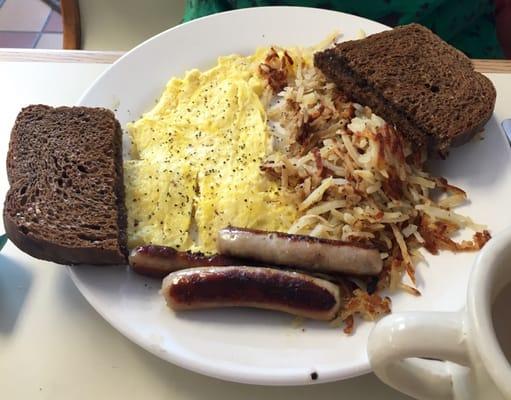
59	56
108	57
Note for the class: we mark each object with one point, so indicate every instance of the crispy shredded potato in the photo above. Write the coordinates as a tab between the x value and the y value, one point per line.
354	178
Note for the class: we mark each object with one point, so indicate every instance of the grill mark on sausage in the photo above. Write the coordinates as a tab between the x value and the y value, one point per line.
303	238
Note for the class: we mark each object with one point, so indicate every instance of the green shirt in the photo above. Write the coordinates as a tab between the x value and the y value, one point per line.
468	25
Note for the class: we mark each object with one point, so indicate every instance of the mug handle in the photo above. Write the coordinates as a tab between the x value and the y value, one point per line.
397	342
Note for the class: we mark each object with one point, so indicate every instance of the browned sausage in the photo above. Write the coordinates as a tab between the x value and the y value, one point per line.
258	287
302	252
159	261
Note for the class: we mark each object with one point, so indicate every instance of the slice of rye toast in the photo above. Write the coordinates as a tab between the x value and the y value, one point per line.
66	198
415	80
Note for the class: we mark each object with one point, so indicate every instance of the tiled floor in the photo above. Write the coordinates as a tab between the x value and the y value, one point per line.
29	24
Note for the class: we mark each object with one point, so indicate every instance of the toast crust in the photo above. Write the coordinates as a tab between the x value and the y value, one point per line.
45	250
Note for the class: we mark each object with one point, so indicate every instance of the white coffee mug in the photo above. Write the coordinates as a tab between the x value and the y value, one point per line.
450	355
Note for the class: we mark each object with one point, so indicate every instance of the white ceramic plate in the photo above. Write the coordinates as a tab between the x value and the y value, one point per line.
256	346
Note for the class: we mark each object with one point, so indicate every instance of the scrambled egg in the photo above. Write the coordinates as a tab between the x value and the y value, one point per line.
195	158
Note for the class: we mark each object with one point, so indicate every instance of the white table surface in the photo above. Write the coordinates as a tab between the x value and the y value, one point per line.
53	345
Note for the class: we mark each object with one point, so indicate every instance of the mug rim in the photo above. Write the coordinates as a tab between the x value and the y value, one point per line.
479	311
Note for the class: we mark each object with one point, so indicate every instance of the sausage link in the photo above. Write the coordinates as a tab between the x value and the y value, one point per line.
159	261
298	251
259	287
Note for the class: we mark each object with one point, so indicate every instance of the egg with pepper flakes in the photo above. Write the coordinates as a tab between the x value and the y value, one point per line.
195	159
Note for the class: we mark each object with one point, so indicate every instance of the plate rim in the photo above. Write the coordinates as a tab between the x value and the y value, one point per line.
271	378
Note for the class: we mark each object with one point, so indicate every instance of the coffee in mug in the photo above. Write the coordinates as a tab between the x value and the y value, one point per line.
501	317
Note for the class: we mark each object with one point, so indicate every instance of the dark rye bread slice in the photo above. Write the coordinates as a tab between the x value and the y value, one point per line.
66	198
416	81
